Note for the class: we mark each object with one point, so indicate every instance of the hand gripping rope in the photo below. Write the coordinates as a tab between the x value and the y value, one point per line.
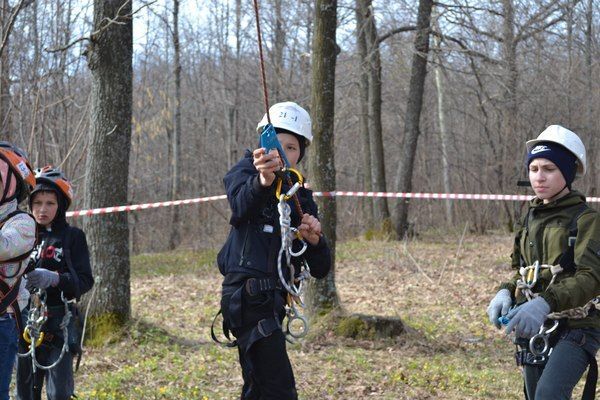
295	285
37	317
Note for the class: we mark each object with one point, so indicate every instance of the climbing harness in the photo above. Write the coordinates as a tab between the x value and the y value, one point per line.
33	334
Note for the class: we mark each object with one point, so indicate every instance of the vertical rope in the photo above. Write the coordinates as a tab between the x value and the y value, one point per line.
262	62
266	94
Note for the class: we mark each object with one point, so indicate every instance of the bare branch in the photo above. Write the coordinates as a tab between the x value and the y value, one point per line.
11	22
393	32
117	19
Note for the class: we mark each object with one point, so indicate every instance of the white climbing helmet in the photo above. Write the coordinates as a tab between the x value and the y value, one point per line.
291	117
566	138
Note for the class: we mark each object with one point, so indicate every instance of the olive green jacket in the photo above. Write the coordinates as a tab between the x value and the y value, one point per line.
545	239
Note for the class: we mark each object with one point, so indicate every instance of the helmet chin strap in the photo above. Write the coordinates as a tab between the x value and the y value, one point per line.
9	177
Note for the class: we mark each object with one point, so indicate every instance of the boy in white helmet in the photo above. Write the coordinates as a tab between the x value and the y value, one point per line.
252	297
557	258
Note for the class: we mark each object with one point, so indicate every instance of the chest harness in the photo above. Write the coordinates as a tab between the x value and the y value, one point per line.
39	313
539	348
33	334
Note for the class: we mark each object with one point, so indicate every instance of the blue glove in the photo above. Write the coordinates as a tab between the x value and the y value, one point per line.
528	318
42	278
499	306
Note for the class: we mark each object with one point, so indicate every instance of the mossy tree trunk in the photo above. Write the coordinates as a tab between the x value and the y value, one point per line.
110	61
322	294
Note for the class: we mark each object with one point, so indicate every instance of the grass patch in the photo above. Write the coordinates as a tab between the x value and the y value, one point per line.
173	263
449	352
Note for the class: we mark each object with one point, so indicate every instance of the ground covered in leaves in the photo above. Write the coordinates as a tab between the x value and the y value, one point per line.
439	285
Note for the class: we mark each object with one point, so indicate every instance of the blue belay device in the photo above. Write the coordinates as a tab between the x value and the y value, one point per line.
268	140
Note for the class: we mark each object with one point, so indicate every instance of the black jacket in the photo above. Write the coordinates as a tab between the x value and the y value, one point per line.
254	241
50	253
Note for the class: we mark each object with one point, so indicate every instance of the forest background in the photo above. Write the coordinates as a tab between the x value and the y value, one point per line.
498	74
149	101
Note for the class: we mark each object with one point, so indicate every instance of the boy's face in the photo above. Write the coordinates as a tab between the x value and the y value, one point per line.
546	179
290	145
44	207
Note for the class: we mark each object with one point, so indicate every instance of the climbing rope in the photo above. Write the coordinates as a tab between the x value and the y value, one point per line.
529	278
539	343
294	285
297	325
33	334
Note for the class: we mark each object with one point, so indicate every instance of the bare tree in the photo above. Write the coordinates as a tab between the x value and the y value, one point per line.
109	56
363	125
380	205
176	137
322	294
413	113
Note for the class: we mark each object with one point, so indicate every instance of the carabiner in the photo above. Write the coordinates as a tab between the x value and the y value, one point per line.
539	344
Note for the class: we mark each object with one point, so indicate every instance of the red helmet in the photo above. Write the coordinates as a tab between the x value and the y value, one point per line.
53	177
17	165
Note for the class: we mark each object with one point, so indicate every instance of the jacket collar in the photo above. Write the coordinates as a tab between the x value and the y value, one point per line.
571	199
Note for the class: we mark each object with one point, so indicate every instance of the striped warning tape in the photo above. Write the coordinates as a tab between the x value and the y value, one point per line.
145	206
426	196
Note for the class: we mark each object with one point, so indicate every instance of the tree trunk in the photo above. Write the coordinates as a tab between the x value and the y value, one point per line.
5	122
381	211
363	117
176	137
439	83
413	113
511	109
322	294
109	58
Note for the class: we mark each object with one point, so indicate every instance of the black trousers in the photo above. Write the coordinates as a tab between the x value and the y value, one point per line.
255	318
267	370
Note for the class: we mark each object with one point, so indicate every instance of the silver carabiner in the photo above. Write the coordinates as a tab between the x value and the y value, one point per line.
292	316
540	341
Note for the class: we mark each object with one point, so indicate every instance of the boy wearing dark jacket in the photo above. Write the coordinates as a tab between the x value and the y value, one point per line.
253	300
62	268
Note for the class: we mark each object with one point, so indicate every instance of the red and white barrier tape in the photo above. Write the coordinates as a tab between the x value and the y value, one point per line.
426	196
145	206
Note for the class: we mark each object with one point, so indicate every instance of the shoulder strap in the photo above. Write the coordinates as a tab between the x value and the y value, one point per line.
23	256
67	242
567	260
9	295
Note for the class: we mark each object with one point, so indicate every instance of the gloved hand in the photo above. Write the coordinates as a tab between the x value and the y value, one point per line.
499	306
528	318
42	278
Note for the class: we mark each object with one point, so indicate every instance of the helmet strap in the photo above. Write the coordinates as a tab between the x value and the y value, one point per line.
9	177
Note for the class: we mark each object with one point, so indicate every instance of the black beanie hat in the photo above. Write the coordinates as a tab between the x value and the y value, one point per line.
559	155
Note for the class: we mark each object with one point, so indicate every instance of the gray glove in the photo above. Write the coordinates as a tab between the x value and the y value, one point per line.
528	318
42	278
499	306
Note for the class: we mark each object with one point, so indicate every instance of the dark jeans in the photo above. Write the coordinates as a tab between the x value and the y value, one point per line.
565	367
8	352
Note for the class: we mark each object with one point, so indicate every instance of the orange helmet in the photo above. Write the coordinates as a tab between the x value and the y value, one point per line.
53	177
13	162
